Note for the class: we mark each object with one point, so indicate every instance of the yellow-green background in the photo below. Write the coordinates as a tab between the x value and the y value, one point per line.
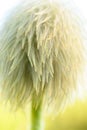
73	118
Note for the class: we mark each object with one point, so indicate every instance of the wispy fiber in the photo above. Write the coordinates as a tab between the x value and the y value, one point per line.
41	53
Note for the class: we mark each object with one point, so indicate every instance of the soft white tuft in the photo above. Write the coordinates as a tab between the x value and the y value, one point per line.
41	53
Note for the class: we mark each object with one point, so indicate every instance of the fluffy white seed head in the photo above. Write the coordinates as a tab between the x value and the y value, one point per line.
41	53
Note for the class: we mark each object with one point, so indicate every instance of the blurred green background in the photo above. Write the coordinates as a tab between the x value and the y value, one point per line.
73	118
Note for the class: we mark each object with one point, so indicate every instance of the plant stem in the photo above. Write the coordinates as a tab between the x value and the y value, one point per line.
36	117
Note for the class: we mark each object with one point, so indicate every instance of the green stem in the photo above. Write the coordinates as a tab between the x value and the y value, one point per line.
36	117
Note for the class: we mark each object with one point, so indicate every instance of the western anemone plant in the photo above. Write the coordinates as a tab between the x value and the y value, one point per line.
41	56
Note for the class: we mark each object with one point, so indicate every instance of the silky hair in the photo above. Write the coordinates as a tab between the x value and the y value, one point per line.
41	54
